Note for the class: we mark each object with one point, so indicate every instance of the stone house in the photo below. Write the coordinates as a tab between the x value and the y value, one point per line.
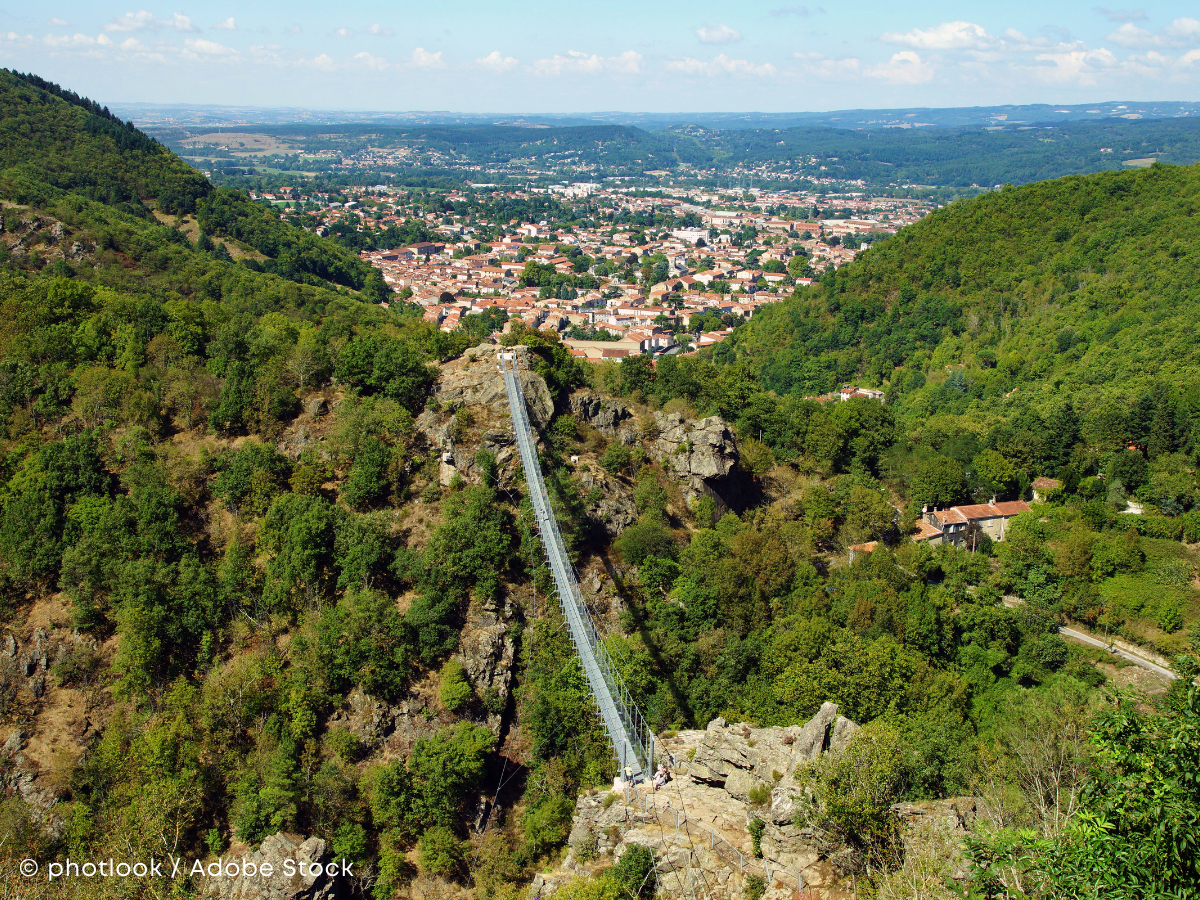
957	524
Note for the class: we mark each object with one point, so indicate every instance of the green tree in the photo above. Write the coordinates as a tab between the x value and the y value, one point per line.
367	482
857	787
442	854
997	477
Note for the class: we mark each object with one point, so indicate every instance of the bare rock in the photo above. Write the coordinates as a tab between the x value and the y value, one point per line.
479	381
487	651
609	503
15	742
316	407
305	859
387	729
703	449
610	417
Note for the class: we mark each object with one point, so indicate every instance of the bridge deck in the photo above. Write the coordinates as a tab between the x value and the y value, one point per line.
631	738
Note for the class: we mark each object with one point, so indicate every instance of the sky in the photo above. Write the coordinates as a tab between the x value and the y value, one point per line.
664	56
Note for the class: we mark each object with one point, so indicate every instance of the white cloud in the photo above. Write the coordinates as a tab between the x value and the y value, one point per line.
628	63
343	32
202	47
1182	32
720	65
295	29
227	25
423	59
1078	67
371	62
1121	15
379	30
497	62
718	34
905	67
324	62
57	22
947	36
65	41
147	21
817	65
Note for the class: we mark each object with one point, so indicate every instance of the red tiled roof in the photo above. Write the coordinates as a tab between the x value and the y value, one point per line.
952	515
1005	508
925	531
1012	507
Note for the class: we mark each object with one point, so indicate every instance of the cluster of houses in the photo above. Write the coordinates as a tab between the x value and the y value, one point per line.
707	271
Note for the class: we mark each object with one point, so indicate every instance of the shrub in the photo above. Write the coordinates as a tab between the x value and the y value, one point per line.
441	853
455	689
634	871
1170	619
250	476
616	459
344	743
756	828
367	483
760	795
755	887
645	539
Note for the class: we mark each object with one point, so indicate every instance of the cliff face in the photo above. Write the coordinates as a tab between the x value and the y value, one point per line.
702	455
698	824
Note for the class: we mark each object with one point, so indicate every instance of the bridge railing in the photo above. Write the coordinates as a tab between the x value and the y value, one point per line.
628	731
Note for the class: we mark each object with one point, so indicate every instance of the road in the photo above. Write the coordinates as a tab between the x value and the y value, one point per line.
1096	642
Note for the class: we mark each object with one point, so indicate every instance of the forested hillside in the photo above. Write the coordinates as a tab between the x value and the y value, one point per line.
1079	289
66	155
266	564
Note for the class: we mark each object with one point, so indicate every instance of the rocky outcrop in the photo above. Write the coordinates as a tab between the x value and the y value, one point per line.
740	757
609	503
610	417
723	777
702	455
954	817
704	450
475	379
301	869
487	651
25	233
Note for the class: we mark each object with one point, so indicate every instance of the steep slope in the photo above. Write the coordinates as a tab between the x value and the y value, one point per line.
64	154
1082	287
54	137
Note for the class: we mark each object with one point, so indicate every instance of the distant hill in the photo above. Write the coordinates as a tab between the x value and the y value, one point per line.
54	137
1080	288
157	115
56	146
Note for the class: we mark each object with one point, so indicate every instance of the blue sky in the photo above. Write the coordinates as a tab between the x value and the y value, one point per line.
471	56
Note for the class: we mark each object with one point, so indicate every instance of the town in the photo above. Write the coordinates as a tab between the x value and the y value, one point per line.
614	271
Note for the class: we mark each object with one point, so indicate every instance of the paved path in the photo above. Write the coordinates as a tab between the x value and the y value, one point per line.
1096	642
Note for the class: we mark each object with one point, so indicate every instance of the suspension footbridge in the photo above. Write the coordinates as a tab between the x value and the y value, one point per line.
631	737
